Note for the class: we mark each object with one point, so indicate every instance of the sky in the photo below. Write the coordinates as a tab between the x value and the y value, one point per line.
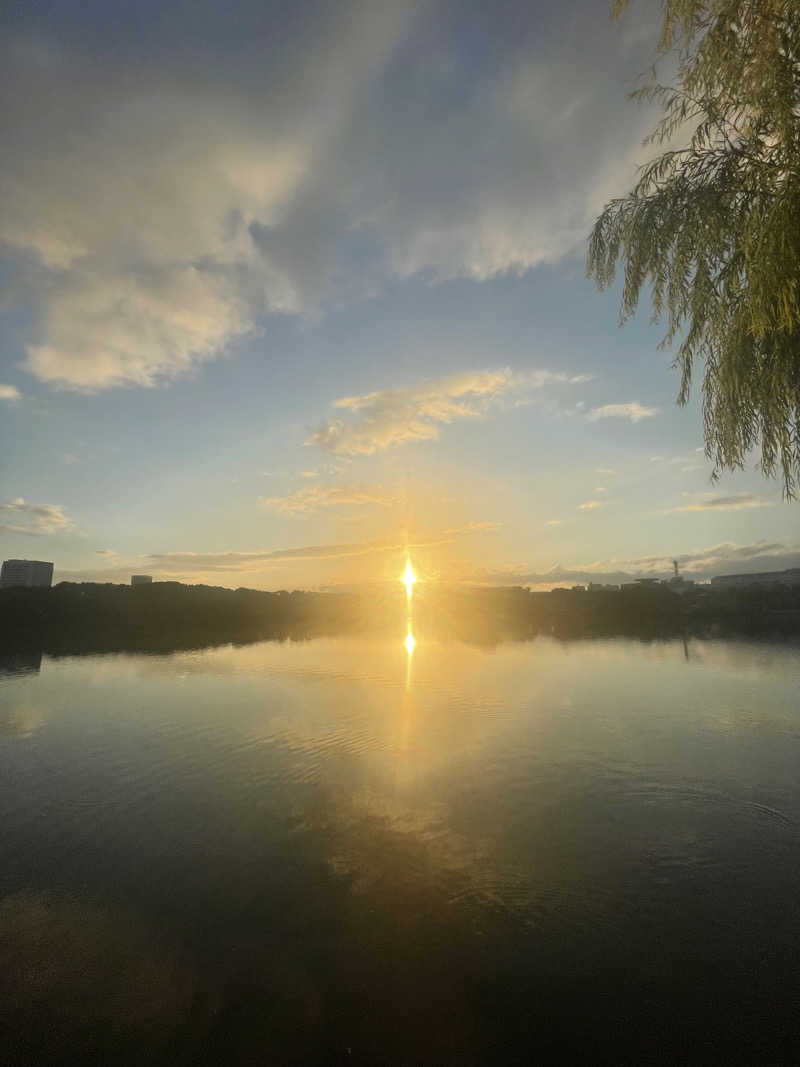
289	289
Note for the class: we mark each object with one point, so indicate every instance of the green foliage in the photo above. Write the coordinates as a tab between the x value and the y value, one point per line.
712	226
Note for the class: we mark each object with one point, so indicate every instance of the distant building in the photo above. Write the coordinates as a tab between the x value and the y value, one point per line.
27	573
738	581
595	586
141	579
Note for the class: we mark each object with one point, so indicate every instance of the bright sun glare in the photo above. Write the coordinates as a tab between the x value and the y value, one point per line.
409	578
410	643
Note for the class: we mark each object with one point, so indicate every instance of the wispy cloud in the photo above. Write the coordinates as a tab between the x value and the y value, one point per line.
192	566
189	562
739	502
315	497
390	417
9	392
686	463
484	526
590	505
36	519
554	522
633	410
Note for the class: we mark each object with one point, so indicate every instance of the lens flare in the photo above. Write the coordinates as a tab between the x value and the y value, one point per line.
411	644
409	578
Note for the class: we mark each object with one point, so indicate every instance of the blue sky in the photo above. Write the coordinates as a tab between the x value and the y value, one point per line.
287	287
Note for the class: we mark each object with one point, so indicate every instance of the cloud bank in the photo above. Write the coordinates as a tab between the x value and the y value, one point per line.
727	557
254	161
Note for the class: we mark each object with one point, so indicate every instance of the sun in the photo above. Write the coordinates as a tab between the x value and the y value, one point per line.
408	578
410	643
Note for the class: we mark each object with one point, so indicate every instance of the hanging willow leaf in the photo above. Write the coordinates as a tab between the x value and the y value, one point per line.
712	226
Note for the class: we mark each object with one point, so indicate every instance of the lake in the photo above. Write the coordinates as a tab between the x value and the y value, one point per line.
340	851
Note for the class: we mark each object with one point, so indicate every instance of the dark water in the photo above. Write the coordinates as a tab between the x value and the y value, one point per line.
328	852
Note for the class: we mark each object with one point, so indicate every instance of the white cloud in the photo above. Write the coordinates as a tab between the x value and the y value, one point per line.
137	192
632	410
590	505
17	517
304	501
9	392
134	327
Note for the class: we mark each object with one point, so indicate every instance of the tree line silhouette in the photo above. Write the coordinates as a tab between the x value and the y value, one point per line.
72	618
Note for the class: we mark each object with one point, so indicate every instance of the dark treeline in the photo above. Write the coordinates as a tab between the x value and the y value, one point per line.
165	616
168	616
632	611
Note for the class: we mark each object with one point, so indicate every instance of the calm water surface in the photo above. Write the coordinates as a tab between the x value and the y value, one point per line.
332	852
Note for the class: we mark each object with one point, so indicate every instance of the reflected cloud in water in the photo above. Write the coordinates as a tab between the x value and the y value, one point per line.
20	720
434	827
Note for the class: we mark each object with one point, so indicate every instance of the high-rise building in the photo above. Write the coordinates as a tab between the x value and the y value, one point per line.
26	572
141	579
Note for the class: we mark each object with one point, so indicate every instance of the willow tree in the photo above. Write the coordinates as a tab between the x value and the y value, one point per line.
711	229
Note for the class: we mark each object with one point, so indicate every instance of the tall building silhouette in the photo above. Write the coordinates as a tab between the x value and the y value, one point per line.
26	572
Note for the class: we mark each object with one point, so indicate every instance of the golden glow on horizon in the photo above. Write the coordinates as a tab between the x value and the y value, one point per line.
408	578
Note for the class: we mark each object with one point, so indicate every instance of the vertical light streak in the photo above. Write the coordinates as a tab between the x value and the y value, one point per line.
408	579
